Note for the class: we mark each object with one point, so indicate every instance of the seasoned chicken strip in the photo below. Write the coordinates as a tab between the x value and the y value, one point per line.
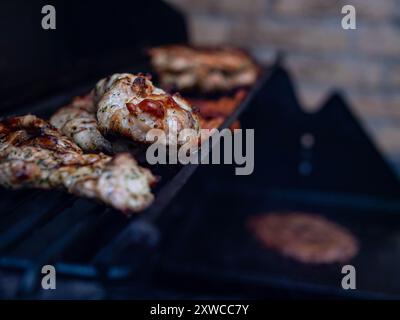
78	121
34	154
130	105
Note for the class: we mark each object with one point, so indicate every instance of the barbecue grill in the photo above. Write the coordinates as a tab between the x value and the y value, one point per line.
346	180
40	227
191	242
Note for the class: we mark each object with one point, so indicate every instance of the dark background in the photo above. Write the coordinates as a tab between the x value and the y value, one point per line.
90	37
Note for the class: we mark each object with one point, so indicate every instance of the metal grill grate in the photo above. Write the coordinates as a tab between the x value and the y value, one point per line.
42	227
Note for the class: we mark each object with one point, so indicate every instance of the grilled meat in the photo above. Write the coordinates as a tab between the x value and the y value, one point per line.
78	121
221	107
213	112
34	154
203	69
130	105
215	123
305	237
125	106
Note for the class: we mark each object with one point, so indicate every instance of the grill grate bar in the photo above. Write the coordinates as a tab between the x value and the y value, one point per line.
65	230
10	202
52	229
15	263
59	246
30	279
12	206
23	228
109	223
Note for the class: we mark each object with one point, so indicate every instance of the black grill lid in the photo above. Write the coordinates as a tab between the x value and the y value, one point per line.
348	182
342	157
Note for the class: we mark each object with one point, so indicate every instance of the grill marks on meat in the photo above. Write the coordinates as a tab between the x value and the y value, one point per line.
130	105
78	121
34	154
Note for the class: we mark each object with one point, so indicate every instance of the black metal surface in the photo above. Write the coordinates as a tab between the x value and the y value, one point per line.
48	227
342	159
203	252
205	247
91	38
43	70
349	182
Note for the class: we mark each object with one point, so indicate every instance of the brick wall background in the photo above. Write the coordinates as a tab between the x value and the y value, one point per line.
321	55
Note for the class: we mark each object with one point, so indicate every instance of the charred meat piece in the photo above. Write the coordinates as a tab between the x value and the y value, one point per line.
203	69
34	154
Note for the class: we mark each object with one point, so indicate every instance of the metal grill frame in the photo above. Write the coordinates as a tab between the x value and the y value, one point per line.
143	226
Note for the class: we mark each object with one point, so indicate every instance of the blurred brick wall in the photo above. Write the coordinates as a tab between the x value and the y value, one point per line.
321	55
